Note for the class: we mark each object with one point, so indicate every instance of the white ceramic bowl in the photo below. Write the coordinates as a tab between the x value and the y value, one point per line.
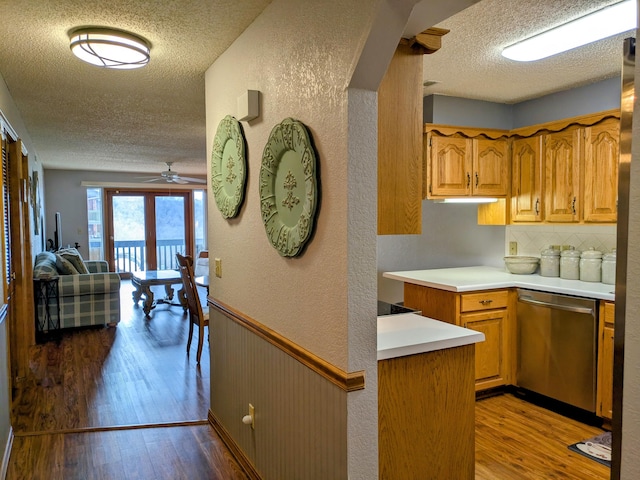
521	265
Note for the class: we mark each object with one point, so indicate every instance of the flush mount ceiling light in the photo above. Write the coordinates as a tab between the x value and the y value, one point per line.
611	20
110	48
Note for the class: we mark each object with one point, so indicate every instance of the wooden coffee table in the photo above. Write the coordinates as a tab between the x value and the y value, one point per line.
144	280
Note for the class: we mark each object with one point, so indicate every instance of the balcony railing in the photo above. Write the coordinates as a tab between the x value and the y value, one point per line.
131	255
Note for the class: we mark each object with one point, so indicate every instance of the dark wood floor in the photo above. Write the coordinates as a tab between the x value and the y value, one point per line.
117	403
126	402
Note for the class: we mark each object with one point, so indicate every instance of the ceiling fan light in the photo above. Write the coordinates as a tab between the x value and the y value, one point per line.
110	48
603	23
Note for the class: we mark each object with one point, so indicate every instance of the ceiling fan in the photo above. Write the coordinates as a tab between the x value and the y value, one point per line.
171	176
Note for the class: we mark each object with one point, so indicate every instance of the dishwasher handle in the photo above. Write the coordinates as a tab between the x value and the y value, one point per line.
557	306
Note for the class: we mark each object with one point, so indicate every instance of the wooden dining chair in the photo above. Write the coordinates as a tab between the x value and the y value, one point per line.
197	315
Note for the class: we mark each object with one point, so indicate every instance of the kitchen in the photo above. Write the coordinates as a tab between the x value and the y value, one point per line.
458	240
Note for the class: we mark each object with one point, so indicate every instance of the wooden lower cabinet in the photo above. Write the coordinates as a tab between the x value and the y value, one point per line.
426	416
604	391
490	312
490	362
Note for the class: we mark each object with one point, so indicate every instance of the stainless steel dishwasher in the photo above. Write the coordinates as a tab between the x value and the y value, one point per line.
557	337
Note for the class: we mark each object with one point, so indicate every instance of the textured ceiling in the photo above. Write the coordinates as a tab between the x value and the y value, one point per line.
470	65
80	116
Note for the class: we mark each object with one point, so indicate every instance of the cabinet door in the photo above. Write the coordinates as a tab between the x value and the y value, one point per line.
601	171
490	167
450	162
562	179
526	199
604	407
490	354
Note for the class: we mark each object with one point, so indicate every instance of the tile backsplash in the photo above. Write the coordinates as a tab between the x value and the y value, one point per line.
532	239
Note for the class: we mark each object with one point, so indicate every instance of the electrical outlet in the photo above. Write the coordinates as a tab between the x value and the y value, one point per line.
513	248
252	414
218	263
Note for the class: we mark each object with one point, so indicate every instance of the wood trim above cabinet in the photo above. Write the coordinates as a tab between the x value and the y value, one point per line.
557	125
469	132
347	381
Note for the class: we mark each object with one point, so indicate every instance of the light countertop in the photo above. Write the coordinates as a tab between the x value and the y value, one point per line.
467	279
410	334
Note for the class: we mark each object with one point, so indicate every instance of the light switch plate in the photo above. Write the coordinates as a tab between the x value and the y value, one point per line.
513	248
218	263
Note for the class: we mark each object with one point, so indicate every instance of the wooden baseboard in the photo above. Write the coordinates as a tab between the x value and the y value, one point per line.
7	453
233	447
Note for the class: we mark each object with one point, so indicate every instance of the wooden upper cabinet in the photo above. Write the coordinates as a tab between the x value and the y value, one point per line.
459	166
450	165
400	145
526	187
490	167
601	157
562	177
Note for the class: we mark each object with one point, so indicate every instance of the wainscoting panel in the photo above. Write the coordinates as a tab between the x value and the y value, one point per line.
300	416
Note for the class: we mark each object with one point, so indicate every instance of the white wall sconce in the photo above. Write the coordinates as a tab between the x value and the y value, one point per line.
110	48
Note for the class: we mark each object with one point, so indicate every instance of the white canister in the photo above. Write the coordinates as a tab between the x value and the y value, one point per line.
550	263
591	265
570	264
609	268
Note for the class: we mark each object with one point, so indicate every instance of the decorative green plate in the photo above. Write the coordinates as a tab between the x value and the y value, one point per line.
228	167
288	187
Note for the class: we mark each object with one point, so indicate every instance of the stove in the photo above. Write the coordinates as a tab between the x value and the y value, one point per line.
385	308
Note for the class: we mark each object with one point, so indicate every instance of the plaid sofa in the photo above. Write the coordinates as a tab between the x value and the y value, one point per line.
85	299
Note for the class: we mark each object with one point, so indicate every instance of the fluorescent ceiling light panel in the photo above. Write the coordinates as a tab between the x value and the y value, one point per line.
611	20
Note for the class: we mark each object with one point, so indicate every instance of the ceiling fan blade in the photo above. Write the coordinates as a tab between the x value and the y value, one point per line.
152	180
179	180
193	180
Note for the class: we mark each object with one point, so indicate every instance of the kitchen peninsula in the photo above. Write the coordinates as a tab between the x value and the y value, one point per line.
425	397
486	299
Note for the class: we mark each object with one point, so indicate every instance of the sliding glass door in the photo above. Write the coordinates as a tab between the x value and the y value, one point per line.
146	229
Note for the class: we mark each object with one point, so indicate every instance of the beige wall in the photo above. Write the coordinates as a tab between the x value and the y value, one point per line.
302	67
301	59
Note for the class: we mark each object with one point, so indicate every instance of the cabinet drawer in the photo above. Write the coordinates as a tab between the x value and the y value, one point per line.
472	302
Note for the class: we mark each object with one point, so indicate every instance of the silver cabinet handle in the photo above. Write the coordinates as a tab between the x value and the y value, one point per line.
573	205
468	180
477	179
537	206
485	302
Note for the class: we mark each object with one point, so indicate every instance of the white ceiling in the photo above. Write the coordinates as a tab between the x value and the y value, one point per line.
80	116
470	64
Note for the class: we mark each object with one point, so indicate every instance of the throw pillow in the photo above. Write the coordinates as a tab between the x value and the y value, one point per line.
73	256
45	266
64	266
